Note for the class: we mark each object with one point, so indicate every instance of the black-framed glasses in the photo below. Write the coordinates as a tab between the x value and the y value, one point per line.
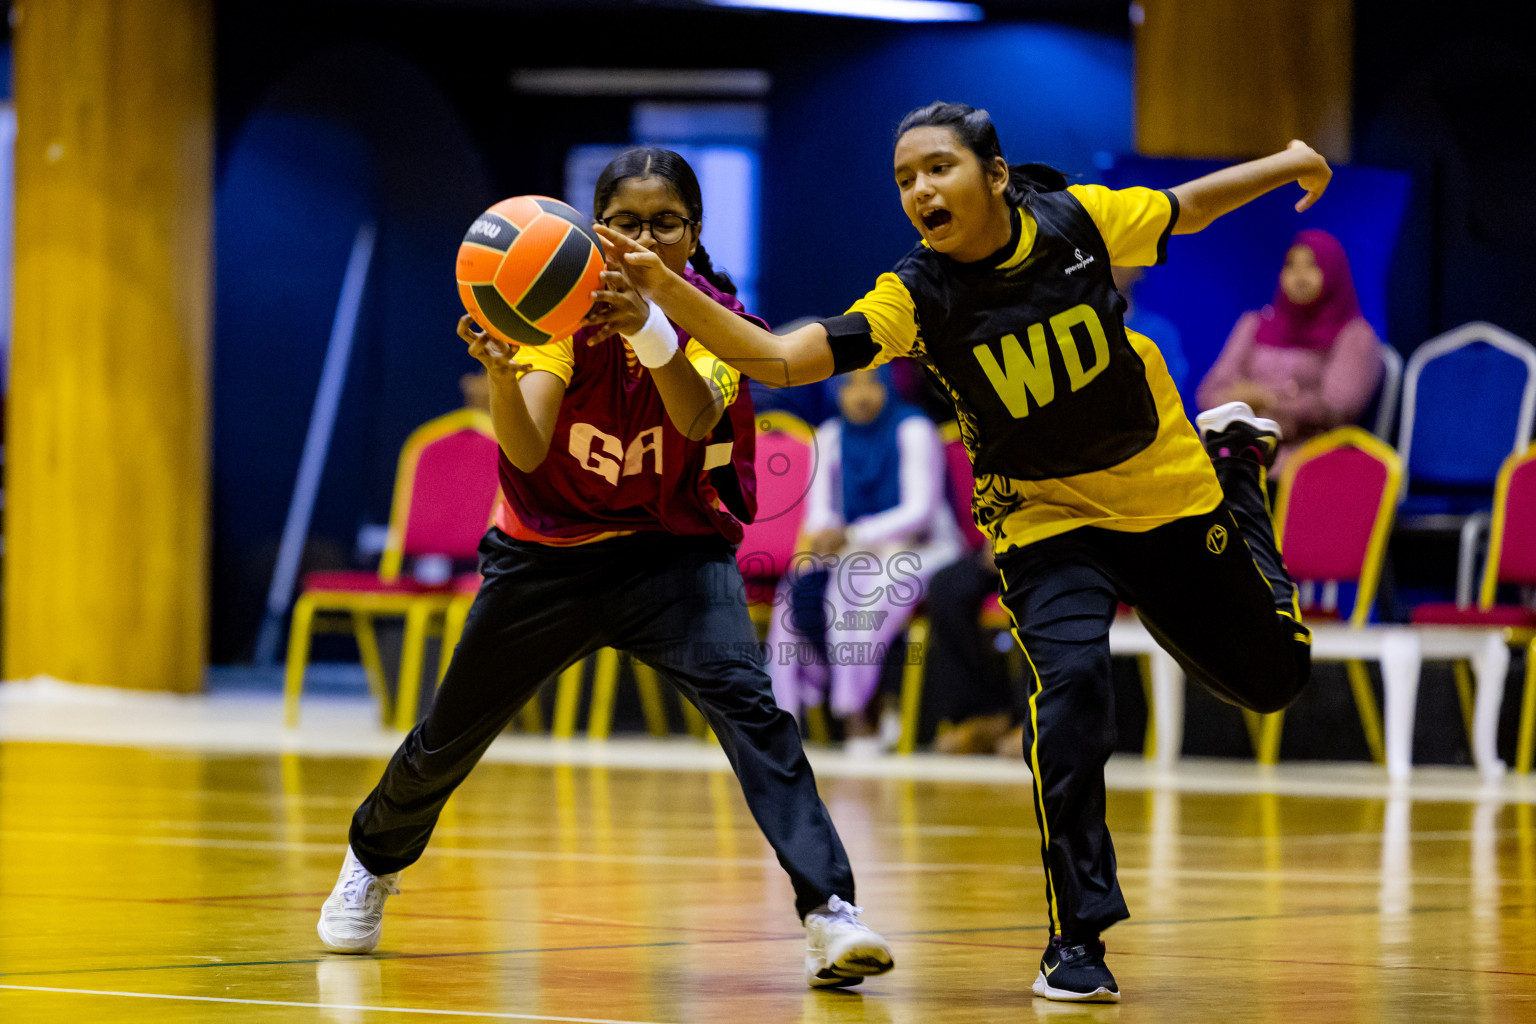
666	228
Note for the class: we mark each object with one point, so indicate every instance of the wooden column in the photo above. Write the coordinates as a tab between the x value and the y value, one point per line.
106	500
1231	79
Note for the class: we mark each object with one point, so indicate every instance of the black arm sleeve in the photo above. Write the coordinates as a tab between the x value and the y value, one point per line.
1173	218
853	346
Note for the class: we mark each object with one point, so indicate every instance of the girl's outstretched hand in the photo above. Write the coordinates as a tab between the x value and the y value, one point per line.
618	308
1314	175
642	268
498	357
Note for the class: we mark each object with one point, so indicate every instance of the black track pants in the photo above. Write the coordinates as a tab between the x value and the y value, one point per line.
675	603
1213	591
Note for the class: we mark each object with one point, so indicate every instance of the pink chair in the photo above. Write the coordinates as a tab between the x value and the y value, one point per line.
445	490
1511	560
1334	515
962	482
786	460
1337	500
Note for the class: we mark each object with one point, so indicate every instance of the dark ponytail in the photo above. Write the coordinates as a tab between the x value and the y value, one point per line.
719	278
651	162
975	130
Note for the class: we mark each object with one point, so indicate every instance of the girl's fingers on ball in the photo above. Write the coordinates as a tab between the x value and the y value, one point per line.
467	328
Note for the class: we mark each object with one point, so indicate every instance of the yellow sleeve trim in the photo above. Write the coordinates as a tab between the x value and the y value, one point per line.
1134	222
709	366
558	358
892	317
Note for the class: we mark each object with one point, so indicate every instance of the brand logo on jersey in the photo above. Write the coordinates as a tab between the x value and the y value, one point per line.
1082	261
1216	539
609	457
1022	376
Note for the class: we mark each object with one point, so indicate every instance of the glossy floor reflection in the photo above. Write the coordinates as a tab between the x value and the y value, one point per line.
175	886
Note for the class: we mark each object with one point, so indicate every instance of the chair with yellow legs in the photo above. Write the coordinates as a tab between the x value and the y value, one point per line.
786	460
445	487
1511	560
1333	516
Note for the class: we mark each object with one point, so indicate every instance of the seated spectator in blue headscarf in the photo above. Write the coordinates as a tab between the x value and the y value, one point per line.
877	527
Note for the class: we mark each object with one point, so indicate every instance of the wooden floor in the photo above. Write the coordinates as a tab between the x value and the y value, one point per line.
176	885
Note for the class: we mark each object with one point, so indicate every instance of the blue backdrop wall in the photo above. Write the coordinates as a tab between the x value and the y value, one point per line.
832	217
1214	276
356	133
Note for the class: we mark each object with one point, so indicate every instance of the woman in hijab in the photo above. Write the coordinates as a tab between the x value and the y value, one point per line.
877	527
1308	360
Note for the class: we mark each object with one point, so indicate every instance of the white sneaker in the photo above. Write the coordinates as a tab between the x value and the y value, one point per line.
840	950
353	916
1234	429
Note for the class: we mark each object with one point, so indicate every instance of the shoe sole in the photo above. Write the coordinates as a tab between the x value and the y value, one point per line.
1045	990
1214	421
337	946
851	968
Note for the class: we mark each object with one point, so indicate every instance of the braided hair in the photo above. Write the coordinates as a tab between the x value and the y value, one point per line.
975	130
652	162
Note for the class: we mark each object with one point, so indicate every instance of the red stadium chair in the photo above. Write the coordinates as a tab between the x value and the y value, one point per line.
1337	500
961	483
1511	560
786	459
445	490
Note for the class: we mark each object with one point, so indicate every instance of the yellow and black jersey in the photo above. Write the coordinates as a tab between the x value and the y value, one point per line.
1069	418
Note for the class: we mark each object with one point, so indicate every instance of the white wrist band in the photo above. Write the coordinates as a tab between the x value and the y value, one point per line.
655	343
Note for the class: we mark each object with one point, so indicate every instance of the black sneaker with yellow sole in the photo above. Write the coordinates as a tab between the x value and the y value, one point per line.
1074	972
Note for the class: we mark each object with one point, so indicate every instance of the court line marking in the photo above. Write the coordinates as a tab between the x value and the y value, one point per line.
1125	832
926	936
325	1006
376	956
202	724
1366	877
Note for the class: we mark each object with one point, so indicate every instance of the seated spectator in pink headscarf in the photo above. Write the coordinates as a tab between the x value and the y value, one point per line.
1308	360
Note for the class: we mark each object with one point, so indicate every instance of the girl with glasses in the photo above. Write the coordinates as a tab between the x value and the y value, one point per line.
626	473
1091	485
